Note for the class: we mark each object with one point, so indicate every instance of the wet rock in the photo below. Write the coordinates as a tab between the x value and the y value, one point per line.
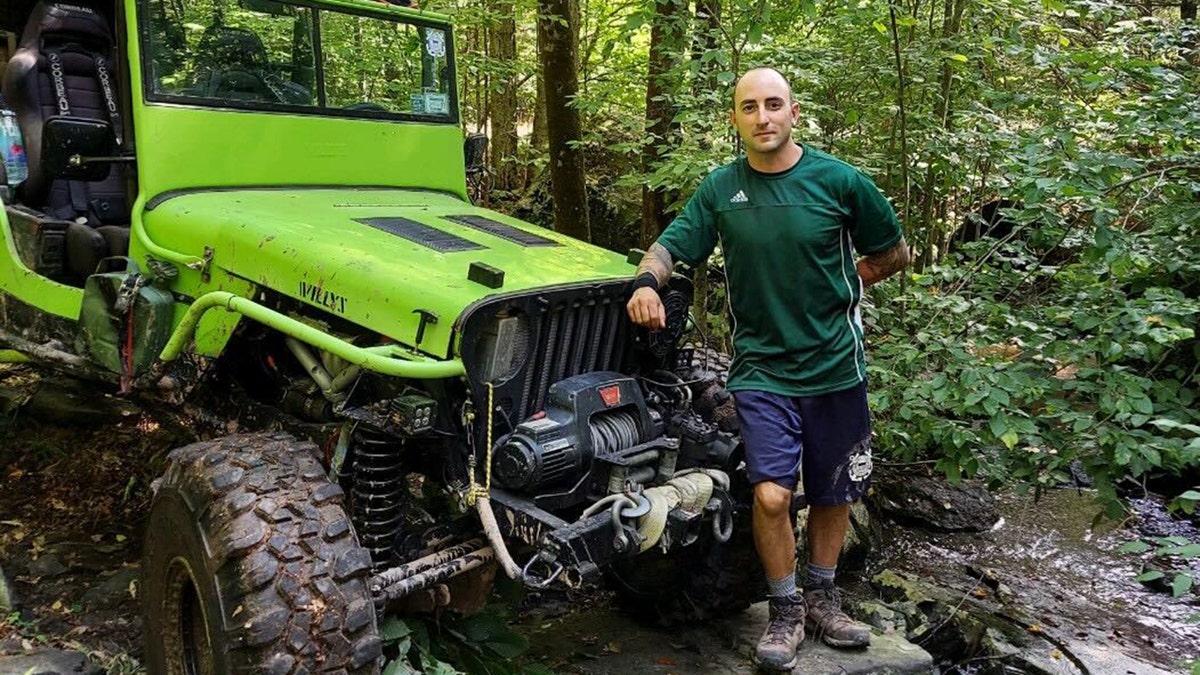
113	592
46	566
8	595
47	662
937	504
883	618
601	642
1080	475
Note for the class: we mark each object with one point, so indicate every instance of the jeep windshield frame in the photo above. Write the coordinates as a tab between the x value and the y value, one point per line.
243	70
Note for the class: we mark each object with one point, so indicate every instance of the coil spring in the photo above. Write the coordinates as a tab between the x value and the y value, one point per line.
614	431
376	494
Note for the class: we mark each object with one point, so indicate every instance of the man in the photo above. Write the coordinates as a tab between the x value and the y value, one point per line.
788	219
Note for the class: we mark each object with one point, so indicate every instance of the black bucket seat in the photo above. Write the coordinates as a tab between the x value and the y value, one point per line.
64	67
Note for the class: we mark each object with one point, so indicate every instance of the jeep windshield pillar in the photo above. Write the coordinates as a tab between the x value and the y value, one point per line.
275	202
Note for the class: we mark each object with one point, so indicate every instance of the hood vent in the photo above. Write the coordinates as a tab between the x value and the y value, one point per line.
420	233
502	230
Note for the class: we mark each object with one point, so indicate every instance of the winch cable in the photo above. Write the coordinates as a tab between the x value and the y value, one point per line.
481	496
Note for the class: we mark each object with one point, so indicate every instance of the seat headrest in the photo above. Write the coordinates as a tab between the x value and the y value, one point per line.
61	22
231	47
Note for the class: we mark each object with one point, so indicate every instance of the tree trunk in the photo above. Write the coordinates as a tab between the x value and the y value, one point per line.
934	198
667	37
705	31
563	127
503	50
704	39
1187	10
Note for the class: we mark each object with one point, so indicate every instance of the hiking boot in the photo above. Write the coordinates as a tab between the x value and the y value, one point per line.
827	620
777	648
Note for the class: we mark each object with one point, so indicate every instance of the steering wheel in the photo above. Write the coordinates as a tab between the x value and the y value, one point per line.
241	85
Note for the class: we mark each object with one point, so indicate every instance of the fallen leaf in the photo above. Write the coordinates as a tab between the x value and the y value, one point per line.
1056	655
612	648
979	592
1035	629
665	661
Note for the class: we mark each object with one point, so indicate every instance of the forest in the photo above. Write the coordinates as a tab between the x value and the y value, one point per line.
1061	341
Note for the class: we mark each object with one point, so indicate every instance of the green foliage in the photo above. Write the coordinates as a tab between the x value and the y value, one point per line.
1071	347
481	643
1160	550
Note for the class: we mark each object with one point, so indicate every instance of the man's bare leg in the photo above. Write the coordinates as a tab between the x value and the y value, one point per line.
773	534
776	544
827	528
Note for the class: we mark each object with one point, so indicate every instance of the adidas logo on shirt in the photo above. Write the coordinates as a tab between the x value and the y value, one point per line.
739	198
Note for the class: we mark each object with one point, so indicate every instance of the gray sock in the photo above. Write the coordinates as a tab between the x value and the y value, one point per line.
782	588
819	577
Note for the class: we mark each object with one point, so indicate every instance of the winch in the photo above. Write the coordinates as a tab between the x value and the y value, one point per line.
588	416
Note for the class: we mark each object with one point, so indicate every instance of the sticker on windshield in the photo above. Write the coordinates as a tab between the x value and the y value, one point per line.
430	103
435	43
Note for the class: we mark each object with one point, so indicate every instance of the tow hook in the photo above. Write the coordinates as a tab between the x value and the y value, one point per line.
545	560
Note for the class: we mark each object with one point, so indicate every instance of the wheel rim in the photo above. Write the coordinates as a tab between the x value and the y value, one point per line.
185	636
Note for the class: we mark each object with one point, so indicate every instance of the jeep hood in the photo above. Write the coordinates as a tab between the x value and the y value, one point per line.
375	257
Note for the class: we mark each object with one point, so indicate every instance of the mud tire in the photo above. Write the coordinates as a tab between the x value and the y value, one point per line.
251	565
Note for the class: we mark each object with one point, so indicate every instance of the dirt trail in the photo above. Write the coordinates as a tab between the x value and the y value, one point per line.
72	503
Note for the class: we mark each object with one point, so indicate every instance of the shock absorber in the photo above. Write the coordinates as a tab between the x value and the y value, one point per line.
377	492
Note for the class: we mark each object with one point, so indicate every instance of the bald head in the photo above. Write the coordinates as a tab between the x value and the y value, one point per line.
760	77
764	114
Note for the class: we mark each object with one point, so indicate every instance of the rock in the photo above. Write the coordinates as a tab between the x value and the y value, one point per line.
937	504
46	566
602	642
47	662
113	592
8	595
858	539
881	617
889	653
75	403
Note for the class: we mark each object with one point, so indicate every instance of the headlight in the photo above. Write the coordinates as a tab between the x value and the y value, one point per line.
503	347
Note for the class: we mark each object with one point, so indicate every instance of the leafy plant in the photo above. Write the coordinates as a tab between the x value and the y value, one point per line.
1180	582
477	644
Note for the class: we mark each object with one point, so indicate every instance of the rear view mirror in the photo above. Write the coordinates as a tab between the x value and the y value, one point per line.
77	148
474	151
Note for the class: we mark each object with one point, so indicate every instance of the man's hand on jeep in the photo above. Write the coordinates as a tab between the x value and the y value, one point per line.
646	309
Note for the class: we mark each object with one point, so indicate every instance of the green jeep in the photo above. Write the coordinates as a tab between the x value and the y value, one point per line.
218	198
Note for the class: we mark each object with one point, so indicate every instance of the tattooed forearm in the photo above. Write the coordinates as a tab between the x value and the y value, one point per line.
876	268
657	261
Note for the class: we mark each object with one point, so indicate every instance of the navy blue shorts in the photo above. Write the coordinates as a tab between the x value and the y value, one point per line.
825	439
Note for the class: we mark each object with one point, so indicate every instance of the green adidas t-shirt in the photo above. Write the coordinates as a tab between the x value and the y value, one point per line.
790	241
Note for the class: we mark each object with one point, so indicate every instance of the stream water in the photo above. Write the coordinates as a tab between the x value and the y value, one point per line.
1065	576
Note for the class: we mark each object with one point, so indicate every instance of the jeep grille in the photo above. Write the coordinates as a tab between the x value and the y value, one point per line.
570	331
